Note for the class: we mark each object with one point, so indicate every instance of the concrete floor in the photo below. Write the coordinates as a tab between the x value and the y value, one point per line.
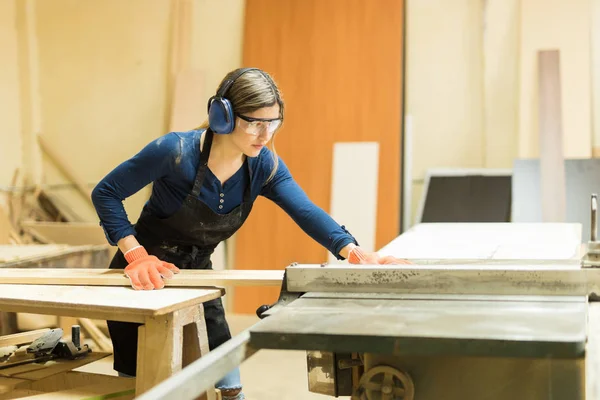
267	375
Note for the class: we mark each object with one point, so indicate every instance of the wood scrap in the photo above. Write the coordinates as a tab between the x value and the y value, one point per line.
19	394
53	256
116	277
54	367
21	338
124	389
69	380
8	385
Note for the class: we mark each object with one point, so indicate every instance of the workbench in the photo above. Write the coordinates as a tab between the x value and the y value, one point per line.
173	333
48	256
487	311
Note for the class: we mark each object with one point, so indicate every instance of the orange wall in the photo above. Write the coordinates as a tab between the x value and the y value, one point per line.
339	66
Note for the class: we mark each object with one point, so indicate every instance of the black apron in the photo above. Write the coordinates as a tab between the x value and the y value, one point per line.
186	239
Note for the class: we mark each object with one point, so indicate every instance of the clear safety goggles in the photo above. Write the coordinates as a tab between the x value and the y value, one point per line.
254	126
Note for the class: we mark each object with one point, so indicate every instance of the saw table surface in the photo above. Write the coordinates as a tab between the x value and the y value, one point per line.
546	327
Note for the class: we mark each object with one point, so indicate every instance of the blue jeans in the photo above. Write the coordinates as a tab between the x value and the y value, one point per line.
230	381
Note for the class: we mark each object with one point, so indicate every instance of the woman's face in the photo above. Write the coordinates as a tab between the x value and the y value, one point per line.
254	130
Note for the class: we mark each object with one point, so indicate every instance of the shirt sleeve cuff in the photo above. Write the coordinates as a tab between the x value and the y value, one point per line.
114	237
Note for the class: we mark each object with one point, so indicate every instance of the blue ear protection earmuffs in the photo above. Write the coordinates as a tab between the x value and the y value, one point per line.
220	111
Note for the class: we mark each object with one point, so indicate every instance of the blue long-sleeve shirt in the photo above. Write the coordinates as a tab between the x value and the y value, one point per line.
171	162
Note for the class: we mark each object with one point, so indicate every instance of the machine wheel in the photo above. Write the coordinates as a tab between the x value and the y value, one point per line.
385	383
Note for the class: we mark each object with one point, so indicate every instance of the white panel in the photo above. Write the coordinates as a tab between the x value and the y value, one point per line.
354	190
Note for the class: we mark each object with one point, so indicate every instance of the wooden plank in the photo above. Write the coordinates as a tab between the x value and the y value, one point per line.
9	384
54	256
9	253
8	372
115	277
21	338
58	366
68	380
121	390
551	138
19	394
106	303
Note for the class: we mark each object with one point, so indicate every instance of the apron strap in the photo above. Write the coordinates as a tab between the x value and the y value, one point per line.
247	199
204	154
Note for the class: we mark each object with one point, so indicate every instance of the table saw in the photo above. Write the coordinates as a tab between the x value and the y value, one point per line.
487	311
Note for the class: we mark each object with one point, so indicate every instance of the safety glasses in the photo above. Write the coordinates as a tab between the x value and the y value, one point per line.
254	126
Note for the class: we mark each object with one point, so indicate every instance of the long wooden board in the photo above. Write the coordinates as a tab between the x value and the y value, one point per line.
116	277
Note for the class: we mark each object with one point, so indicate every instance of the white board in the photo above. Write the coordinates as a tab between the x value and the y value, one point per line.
354	185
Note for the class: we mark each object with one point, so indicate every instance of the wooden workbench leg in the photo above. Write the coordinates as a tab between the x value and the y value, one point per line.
195	339
159	351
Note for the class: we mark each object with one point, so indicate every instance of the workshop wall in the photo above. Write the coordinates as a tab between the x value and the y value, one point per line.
10	136
471	80
95	81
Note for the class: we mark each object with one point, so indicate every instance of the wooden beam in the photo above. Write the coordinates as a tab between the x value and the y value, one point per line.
116	277
21	338
121	390
68	172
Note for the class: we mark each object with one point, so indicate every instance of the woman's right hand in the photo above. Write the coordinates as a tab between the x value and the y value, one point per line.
146	272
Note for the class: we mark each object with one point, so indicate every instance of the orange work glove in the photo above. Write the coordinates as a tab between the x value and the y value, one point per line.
357	255
146	272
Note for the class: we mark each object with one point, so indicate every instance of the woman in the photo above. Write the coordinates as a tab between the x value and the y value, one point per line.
204	184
